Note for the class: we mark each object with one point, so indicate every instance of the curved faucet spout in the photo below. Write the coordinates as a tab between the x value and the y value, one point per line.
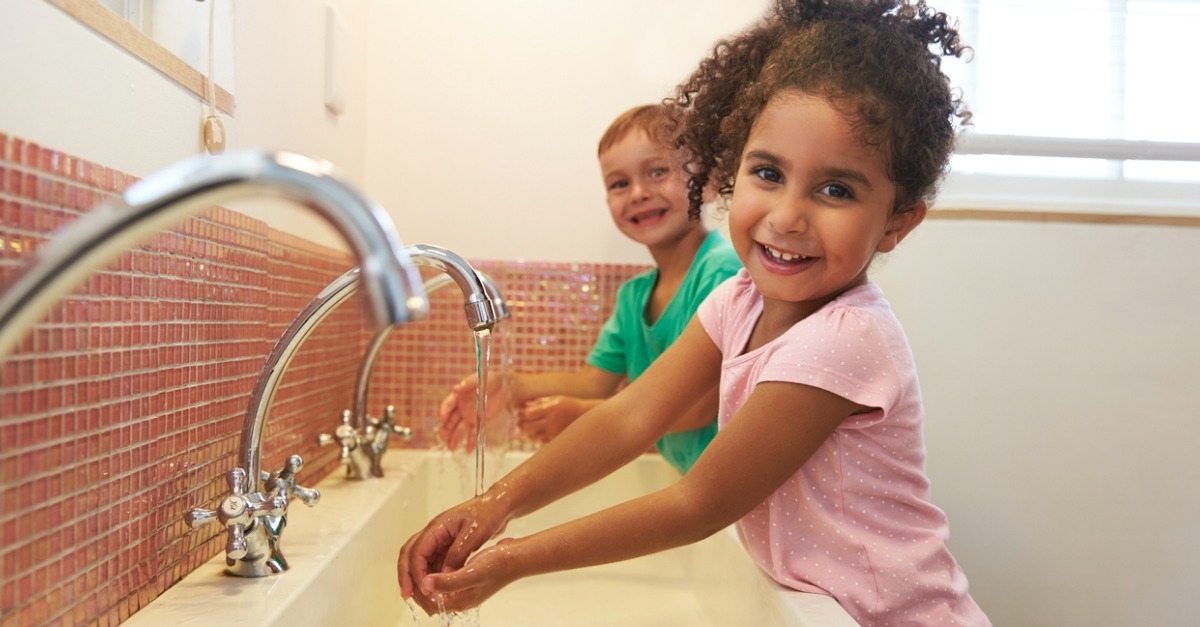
194	185
255	423
362	384
481	315
493	290
478	289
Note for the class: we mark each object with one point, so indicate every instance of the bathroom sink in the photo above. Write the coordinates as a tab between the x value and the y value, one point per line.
343	565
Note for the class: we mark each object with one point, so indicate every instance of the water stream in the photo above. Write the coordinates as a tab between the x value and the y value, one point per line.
483	353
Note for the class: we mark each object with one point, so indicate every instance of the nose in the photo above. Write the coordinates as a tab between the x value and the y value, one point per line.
789	215
640	189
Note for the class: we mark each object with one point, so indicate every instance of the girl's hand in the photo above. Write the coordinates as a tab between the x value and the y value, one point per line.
444	544
542	419
485	574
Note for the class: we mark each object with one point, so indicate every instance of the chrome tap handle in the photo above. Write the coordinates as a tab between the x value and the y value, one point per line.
344	435
405	433
356	454
283	483
236	512
236	547
382	429
379	432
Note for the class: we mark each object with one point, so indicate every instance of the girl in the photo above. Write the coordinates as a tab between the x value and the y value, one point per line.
828	126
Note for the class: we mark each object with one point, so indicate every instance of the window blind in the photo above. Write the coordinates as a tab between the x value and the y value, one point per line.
1078	103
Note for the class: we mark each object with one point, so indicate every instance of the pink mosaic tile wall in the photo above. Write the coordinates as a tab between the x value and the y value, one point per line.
557	312
123	408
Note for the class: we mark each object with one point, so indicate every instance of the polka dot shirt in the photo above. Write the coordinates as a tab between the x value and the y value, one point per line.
855	522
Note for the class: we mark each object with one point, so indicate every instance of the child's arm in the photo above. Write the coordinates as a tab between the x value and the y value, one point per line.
765	443
457	410
543	418
702	412
587	382
601	441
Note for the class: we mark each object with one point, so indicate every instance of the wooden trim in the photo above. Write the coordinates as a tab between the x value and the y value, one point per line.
119	31
1076	147
1064	217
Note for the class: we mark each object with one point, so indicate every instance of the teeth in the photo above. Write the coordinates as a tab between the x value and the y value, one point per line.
648	215
782	256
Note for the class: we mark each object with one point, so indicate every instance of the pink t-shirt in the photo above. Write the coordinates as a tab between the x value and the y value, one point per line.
855	522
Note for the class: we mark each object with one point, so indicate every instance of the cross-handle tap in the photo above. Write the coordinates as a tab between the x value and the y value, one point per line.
363	452
355	455
379	432
238	513
283	483
255	521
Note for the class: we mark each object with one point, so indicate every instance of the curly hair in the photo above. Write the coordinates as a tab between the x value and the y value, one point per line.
872	59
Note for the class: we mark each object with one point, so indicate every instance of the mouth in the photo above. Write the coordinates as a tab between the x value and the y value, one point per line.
784	260
648	216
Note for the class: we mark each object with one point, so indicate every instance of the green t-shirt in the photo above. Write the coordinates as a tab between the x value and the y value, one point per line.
627	345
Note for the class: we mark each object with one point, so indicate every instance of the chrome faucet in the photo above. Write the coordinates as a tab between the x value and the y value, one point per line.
363	382
197	184
253	517
481	314
364	439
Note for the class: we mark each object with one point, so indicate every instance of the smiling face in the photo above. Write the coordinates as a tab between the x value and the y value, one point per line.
811	204
646	190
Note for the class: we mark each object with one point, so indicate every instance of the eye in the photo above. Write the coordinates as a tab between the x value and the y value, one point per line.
658	173
767	173
618	184
837	190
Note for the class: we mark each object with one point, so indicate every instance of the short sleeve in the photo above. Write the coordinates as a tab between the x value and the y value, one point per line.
842	350
716	313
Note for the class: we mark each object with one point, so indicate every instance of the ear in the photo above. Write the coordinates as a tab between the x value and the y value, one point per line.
900	225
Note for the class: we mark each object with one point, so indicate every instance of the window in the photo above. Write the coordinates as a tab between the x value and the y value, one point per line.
173	36
1087	105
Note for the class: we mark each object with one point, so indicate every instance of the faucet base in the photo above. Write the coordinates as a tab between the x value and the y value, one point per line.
264	557
242	568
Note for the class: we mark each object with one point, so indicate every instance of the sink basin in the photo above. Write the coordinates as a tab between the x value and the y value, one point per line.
343	565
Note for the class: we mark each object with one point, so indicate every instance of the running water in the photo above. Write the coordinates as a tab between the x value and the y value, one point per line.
465	618
483	352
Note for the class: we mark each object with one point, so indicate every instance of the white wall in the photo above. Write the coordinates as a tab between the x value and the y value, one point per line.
1059	366
485	116
69	89
280	63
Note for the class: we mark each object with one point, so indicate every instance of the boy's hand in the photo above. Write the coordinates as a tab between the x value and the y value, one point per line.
542	419
457	411
457	415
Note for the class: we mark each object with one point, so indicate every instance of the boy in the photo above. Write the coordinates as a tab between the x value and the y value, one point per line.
646	189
